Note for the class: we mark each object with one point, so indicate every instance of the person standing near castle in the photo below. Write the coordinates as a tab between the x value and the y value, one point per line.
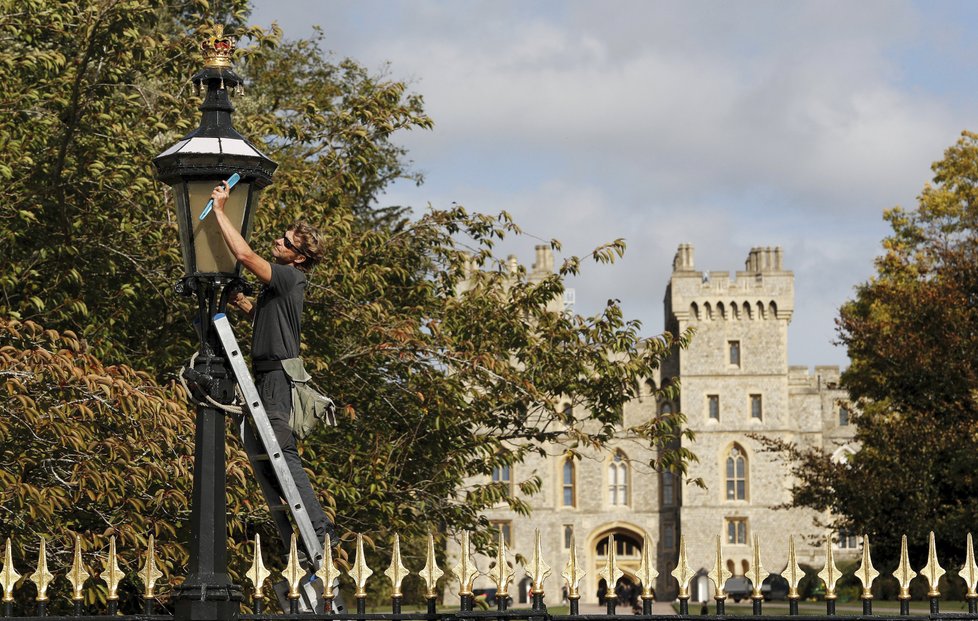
277	317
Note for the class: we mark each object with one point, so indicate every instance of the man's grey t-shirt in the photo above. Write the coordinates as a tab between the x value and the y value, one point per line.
278	315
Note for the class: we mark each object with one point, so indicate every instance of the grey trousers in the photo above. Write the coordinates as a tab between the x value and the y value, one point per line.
276	395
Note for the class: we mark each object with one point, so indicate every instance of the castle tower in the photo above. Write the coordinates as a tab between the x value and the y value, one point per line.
736	382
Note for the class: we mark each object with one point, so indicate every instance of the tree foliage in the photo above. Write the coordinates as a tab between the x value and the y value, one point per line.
446	362
912	338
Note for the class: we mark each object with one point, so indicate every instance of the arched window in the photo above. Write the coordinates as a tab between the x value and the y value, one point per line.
843	416
736	474
618	480
569	478
842	455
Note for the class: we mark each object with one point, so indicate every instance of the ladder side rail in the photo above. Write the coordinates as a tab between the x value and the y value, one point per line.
267	436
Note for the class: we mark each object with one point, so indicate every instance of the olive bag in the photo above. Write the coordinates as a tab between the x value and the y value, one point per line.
309	406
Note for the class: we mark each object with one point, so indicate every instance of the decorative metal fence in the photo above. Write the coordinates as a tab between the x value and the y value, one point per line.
502	573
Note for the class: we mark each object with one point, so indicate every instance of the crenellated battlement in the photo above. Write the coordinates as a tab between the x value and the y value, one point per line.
763	291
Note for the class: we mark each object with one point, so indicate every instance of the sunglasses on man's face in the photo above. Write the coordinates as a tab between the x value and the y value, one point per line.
288	244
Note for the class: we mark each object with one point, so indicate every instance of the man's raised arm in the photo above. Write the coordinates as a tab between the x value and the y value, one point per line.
258	266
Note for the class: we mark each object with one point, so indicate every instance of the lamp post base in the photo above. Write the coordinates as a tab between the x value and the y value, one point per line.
207	602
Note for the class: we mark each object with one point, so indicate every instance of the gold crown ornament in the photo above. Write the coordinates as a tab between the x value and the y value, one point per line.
217	49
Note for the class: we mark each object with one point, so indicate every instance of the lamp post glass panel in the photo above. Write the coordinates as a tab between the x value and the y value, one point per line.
192	167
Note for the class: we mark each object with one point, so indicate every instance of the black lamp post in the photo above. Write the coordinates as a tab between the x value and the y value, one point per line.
193	167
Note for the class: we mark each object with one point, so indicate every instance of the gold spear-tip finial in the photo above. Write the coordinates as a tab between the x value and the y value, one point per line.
257	573
150	572
611	572
719	574
465	570
327	572
866	572
397	572
77	575
502	574
111	572
572	573
42	577
682	573
904	574
293	572
360	571
8	575
431	573
756	573
646	572
830	573
932	571
793	573
538	569
217	49
969	572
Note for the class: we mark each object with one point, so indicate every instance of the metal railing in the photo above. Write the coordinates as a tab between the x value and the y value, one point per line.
502	573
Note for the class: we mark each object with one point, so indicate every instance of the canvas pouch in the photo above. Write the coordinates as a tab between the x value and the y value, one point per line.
309	406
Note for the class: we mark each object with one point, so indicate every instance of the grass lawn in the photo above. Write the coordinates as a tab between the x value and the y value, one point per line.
850	608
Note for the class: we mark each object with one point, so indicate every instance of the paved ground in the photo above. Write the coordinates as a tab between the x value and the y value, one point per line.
658	608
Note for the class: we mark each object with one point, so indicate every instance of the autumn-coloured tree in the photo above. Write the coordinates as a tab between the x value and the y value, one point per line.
912	337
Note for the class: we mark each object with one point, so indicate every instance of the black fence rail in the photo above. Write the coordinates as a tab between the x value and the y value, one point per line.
297	578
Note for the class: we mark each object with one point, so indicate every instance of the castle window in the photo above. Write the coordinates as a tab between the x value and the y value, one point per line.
666	408
669	536
568	536
847	540
734	349
569	483
755	407
737	531
736	470
618	480
843	416
713	406
668	489
506	527
503	473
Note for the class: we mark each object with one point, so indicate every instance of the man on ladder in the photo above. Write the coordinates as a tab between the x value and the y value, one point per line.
276	336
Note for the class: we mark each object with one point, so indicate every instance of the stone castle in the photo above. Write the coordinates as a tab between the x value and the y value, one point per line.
735	383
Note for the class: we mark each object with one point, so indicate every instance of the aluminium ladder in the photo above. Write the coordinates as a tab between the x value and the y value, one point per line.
264	450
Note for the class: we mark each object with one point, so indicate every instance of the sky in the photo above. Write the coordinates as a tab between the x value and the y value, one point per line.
726	125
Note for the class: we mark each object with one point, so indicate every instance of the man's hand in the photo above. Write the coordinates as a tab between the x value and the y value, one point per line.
220	196
242	303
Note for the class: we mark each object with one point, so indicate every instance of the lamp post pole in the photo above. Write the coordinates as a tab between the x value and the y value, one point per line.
193	167
207	593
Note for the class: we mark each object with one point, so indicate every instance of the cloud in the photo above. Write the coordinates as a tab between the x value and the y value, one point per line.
726	125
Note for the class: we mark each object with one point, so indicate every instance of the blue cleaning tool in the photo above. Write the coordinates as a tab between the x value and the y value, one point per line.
233	179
